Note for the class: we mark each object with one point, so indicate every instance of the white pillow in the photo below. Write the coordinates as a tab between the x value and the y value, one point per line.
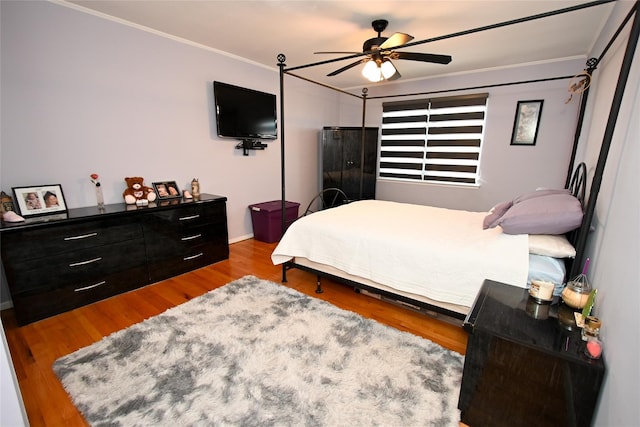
556	246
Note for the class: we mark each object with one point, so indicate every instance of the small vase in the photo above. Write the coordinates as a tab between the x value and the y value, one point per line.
99	196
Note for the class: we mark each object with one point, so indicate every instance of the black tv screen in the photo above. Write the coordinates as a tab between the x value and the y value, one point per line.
243	113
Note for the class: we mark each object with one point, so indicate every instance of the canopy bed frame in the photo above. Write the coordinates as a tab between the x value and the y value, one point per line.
576	182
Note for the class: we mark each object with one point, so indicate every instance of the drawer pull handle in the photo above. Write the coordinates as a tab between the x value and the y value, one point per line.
187	218
189	258
90	287
76	264
82	236
191	237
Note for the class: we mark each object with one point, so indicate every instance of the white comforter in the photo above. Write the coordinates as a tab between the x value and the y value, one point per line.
439	253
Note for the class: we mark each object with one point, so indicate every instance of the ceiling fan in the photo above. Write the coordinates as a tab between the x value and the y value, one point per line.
380	52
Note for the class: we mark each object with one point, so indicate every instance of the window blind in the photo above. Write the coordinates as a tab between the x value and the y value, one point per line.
433	140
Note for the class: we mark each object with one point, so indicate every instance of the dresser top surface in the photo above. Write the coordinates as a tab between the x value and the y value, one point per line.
508	312
109	211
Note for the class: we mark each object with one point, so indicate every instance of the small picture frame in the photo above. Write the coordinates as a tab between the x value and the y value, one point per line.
527	122
39	200
166	190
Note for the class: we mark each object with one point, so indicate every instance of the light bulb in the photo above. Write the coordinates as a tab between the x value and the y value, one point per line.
387	69
372	72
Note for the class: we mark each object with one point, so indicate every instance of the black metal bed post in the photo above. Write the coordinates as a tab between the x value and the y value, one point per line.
591	66
363	137
632	43
281	65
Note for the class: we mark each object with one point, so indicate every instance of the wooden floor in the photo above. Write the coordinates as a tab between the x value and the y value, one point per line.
36	346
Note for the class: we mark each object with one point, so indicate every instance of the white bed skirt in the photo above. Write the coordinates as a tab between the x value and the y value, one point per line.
463	310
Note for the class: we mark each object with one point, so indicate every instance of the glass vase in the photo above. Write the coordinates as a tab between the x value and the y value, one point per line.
99	196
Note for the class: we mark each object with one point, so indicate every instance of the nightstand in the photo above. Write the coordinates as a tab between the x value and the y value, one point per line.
524	365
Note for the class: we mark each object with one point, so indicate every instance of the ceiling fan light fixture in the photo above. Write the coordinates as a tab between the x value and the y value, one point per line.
387	69
379	52
372	72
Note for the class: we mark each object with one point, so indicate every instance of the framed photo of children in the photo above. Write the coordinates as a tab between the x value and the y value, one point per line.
527	122
166	190
39	200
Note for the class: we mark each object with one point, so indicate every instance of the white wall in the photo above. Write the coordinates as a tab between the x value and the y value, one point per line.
82	94
12	412
614	246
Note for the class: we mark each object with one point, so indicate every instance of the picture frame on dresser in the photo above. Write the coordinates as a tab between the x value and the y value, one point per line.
166	190
39	200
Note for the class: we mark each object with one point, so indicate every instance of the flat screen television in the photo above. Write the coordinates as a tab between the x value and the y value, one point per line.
243	113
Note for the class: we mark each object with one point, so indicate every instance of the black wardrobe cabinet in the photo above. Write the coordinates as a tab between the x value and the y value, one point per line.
349	163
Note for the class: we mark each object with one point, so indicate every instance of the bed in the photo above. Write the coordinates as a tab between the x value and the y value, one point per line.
432	258
569	252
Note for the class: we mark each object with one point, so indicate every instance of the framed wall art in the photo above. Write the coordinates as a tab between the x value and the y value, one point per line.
527	122
166	190
39	200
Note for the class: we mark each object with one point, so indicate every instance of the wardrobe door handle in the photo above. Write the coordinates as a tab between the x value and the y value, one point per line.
184	239
189	258
187	218
76	264
90	286
82	236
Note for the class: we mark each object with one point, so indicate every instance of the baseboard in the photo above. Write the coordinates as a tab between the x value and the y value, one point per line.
241	238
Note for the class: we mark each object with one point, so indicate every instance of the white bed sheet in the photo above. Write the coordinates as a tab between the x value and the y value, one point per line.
440	253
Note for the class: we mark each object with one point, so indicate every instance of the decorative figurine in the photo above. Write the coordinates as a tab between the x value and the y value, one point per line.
195	188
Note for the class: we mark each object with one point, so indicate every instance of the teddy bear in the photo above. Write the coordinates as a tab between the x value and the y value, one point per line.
136	192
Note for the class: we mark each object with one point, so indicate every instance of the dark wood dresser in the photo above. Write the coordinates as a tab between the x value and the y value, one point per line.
59	262
525	365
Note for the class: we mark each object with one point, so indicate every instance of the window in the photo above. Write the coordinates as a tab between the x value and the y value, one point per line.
433	140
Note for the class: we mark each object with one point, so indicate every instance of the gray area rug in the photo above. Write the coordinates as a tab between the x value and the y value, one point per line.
255	353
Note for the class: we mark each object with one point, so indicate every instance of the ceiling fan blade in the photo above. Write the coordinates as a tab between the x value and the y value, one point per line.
340	53
424	57
353	64
397	39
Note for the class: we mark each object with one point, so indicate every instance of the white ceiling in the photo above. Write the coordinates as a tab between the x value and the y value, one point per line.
259	30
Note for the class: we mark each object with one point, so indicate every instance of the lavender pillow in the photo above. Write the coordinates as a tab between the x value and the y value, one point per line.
556	213
539	193
491	220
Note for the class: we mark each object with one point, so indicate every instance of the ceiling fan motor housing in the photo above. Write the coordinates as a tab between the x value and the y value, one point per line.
379	25
373	44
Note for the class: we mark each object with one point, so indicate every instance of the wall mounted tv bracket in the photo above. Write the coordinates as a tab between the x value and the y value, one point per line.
250	144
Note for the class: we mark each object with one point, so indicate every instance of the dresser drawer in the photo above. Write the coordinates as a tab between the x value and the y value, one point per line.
188	259
74	269
33	244
164	242
190	216
30	307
